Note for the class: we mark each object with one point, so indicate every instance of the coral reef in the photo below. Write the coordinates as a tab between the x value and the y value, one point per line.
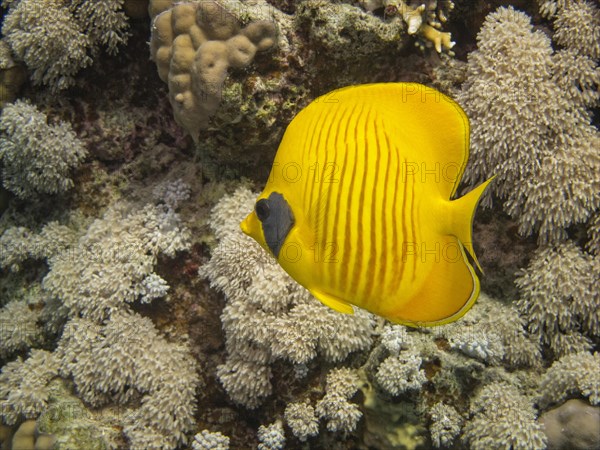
302	420
23	386
269	317
446	425
12	75
572	374
126	358
37	158
56	39
193	45
425	19
19	329
399	374
271	437
543	152
577	25
26	437
560	298
20	244
123	247
206	440
502	418
341	415
110	339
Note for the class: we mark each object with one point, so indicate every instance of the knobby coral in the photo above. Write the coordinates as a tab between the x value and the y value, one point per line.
193	45
544	150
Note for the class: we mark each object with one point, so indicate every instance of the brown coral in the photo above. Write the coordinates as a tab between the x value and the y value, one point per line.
193	45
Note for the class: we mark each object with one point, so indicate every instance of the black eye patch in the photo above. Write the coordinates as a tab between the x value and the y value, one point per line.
277	220
262	209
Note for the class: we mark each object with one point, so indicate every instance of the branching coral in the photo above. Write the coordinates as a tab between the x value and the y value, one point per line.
126	358
302	420
111	264
19	244
36	157
560	298
425	19
335	407
206	440
446	424
544	150
268	316
577	25
576	374
271	437
19	329
193	45
56	39
23	386
502	418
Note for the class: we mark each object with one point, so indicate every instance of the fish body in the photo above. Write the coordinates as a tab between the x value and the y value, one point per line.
358	206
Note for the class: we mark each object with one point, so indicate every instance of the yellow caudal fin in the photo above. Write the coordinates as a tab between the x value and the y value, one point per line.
333	302
461	218
448	292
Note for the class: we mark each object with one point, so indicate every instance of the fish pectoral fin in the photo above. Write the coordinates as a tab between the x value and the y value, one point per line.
333	302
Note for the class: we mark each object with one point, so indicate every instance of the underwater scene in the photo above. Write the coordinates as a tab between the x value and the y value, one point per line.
311	224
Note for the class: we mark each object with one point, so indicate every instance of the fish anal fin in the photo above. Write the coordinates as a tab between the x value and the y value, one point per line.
333	302
450	290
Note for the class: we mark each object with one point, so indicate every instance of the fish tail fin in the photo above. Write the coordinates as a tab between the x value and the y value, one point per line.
463	212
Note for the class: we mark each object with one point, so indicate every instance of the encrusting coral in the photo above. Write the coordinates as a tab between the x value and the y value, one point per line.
268	316
37	158
56	39
193	45
544	150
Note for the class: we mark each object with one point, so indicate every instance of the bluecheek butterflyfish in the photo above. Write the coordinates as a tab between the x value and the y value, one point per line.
358	207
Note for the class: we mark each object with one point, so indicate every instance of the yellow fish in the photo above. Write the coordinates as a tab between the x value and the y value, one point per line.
358	206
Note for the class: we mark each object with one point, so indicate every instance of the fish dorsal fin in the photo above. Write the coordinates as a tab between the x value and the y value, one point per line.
333	302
